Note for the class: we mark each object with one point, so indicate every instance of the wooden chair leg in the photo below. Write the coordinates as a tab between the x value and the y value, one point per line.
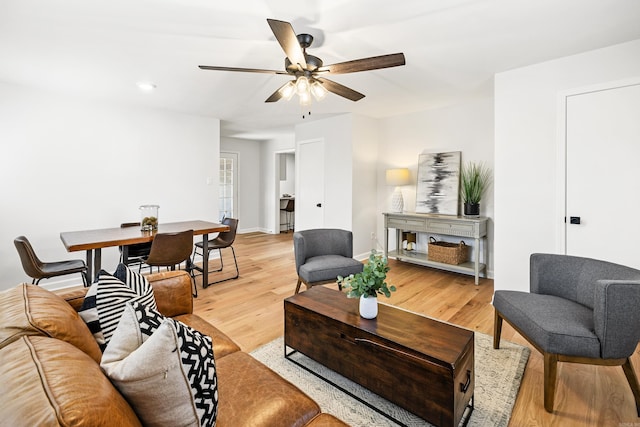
627	367
298	285
497	329
550	373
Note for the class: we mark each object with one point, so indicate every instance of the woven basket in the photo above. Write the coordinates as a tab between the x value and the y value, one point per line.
447	253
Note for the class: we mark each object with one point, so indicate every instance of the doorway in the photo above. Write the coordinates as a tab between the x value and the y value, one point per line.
285	168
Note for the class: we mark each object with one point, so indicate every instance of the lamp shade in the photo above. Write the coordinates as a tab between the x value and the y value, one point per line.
397	177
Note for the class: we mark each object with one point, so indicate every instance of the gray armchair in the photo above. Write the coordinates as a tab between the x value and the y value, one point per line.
578	310
322	255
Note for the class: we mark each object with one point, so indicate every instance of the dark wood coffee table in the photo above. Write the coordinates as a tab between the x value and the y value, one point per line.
423	365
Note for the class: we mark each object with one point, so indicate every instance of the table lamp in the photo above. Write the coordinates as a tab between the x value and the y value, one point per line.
397	178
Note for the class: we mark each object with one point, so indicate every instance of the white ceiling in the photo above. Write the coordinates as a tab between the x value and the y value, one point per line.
102	48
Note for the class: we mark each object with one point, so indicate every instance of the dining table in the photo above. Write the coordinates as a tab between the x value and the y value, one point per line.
93	241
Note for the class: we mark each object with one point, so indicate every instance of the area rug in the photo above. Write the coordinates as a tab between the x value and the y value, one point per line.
498	376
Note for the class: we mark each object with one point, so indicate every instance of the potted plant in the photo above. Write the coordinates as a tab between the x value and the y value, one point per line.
368	284
474	181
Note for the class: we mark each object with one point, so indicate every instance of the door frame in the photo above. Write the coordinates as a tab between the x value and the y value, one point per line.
561	153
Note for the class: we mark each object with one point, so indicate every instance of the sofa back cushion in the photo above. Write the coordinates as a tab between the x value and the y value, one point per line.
32	310
50	382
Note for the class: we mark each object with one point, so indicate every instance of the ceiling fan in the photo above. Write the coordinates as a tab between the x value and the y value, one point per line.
309	70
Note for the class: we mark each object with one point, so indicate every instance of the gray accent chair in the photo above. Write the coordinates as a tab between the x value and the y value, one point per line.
322	255
578	310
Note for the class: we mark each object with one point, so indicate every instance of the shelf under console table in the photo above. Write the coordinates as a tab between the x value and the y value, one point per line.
446	225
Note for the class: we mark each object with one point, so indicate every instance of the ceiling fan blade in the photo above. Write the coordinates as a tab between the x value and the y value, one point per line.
277	95
246	70
287	38
364	64
341	90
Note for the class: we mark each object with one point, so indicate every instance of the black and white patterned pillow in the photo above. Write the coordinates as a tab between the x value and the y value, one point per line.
196	351
149	359
104	303
136	282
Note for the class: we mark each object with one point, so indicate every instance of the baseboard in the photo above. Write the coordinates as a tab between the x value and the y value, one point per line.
250	230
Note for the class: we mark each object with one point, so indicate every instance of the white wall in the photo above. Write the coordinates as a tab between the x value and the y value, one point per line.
73	164
528	178
248	181
466	127
365	142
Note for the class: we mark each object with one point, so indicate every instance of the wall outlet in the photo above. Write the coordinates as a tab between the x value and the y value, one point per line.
373	235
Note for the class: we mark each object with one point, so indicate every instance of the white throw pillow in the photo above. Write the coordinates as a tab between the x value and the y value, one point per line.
163	368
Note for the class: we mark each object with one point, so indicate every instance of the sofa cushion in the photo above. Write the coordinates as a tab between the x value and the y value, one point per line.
49	382
251	394
164	368
32	310
105	301
557	325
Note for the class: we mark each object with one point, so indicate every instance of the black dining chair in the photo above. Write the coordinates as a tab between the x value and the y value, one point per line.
137	252
224	240
38	270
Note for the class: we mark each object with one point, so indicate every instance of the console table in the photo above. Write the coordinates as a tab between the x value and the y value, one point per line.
446	225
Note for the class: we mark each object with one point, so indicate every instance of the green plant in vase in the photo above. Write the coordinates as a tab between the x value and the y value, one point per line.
368	284
475	178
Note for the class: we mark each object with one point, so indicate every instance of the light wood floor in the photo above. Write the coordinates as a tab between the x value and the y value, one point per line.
250	310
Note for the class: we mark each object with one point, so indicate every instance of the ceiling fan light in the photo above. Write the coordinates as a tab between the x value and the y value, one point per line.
318	90
287	91
305	98
302	85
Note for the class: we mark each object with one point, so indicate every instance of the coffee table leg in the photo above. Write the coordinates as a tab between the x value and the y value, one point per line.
468	411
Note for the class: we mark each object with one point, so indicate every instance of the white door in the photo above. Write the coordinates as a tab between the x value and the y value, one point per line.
602	179
310	185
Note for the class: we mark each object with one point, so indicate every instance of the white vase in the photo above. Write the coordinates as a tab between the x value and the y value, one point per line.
368	307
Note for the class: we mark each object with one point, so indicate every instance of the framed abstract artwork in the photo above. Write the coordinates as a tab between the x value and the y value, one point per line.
438	183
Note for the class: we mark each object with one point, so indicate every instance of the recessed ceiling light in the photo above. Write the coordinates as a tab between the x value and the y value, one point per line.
146	86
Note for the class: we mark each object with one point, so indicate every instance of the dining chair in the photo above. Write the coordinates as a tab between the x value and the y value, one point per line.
38	270
223	240
137	252
170	250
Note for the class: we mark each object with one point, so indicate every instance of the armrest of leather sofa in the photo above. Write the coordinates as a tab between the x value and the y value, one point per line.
172	290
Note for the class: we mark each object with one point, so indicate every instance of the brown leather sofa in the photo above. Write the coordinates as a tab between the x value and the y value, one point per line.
50	373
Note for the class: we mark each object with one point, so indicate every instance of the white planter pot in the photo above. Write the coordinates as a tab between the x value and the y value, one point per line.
368	307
